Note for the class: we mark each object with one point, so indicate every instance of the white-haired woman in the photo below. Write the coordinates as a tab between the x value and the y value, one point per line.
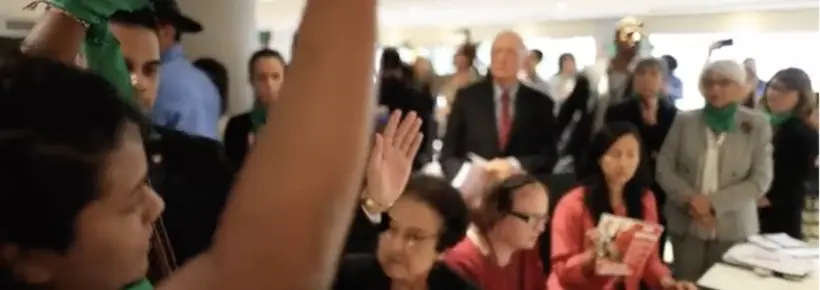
714	164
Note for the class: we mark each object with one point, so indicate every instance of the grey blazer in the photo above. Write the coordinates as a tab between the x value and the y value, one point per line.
745	168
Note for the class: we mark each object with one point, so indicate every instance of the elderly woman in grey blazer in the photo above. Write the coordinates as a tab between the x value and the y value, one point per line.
714	164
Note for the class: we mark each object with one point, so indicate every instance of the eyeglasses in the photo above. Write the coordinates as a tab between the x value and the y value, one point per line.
531	219
409	240
717	82
779	88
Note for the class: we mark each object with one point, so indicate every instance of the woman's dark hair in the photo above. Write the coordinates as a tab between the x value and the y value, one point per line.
264	53
446	201
671	63
498	200
562	58
145	18
539	55
54	142
390	59
469	51
797	80
592	176
218	74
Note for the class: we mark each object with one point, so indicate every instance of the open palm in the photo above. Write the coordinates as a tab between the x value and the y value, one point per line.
391	158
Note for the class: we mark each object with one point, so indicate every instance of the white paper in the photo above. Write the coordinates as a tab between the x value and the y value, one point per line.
785	241
751	255
471	177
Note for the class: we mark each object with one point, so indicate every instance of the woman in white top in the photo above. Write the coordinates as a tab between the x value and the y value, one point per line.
563	83
714	164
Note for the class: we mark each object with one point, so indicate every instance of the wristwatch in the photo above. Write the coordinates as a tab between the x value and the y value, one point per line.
372	205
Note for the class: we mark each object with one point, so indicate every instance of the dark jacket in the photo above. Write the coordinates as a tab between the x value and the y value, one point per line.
795	152
576	118
472	128
363	272
194	178
236	138
402	94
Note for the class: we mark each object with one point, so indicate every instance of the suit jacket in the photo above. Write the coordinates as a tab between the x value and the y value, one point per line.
471	128
363	272
194	178
651	136
745	172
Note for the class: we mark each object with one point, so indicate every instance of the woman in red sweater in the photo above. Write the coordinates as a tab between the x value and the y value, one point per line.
615	181
499	251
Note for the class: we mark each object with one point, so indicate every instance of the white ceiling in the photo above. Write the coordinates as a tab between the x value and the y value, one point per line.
284	14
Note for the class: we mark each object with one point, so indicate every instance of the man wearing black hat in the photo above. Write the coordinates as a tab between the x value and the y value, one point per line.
187	100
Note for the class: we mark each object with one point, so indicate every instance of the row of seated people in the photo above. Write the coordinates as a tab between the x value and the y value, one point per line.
431	239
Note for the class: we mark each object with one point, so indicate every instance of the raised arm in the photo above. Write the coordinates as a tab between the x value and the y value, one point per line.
290	209
56	36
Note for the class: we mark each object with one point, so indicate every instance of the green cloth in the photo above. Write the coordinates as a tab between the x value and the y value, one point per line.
720	120
259	116
777	118
102	50
141	285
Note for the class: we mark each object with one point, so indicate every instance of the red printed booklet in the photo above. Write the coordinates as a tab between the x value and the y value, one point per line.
626	244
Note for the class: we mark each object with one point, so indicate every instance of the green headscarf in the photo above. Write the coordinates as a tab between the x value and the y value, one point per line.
259	116
720	120
777	118
102	50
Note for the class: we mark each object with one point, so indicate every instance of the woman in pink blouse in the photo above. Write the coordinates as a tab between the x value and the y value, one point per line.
615	181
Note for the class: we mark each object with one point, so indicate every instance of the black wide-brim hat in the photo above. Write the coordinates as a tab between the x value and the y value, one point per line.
168	12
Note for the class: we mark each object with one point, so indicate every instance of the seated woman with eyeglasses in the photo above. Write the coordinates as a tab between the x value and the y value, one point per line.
615	180
426	220
499	252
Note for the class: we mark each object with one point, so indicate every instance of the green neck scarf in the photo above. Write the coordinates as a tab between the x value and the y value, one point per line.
144	284
720	120
777	118
259	116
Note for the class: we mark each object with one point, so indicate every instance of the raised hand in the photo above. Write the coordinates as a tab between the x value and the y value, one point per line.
391	158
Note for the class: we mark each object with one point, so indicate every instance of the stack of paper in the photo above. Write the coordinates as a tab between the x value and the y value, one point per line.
786	245
472	177
757	257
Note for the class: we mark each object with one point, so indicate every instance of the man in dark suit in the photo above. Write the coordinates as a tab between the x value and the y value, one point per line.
500	119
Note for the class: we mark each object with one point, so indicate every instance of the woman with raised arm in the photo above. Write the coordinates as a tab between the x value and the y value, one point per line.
288	215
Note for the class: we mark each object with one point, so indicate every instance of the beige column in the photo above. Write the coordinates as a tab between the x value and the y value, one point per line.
229	36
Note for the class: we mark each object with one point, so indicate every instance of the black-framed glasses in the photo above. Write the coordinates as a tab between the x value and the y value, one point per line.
530	219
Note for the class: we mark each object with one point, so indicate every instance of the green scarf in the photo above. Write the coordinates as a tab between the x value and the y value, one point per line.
141	285
720	120
102	50
777	118
259	116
